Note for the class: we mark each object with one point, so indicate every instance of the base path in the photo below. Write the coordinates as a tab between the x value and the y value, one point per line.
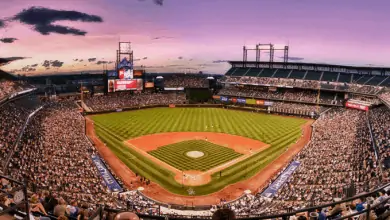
230	192
242	145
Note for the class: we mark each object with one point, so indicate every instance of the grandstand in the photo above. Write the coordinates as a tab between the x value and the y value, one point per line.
43	146
367	80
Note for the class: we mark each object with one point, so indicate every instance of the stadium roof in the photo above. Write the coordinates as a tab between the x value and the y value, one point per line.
315	65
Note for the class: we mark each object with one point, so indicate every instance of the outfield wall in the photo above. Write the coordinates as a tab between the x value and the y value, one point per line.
231	99
156	106
290	112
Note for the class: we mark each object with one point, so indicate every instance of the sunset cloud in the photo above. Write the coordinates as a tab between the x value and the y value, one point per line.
220	61
293	58
52	63
101	62
8	40
42	20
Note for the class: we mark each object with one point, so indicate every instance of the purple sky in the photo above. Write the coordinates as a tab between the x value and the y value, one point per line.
351	32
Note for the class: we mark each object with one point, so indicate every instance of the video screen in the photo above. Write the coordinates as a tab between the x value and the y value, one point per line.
115	85
125	69
125	73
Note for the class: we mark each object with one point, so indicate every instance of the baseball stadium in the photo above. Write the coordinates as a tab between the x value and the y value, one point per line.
177	110
265	140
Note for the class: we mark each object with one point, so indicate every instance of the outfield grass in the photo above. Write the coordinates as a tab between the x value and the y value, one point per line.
175	155
277	131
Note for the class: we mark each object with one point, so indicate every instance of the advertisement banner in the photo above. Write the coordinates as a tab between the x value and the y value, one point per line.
259	102
268	103
109	180
224	99
174	89
356	106
149	85
138	73
272	89
124	85
111	85
240	100
234	100
251	101
217	97
281	180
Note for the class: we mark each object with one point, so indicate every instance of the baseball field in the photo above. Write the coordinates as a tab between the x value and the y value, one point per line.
196	151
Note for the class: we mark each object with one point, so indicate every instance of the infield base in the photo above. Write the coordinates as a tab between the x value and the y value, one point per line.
242	145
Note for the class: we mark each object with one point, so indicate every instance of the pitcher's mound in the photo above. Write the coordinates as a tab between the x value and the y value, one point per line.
195	154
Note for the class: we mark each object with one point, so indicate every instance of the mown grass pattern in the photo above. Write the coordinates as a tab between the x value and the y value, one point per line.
175	155
279	132
263	127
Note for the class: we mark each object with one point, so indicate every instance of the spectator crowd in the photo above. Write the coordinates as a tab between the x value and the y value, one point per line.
13	116
280	106
186	81
127	100
54	156
334	165
8	87
385	96
380	122
305	96
311	84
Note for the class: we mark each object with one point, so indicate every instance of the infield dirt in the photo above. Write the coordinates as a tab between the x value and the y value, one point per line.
242	145
230	192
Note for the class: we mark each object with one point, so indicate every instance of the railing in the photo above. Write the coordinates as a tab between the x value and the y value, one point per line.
5	165
20	198
372	137
285	215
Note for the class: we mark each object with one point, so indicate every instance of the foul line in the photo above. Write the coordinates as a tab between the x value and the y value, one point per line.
208	172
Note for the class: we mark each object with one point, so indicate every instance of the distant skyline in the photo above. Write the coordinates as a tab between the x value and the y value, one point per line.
189	35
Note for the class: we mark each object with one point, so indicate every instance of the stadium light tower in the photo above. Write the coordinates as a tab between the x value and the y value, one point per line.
124	51
270	48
